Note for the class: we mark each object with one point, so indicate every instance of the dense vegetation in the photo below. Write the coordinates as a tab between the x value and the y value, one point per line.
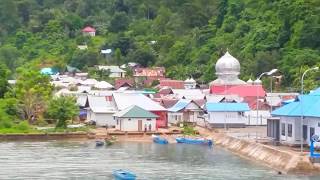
186	37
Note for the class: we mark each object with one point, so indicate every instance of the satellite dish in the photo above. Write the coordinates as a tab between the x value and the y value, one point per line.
315	138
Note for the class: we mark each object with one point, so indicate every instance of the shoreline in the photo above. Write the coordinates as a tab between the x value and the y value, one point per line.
276	159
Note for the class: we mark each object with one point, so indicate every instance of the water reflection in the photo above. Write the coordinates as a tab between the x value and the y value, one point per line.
82	160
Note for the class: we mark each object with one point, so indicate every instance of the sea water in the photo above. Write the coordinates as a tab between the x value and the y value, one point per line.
82	160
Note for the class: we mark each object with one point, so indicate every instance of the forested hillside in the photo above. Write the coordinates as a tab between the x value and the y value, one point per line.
185	36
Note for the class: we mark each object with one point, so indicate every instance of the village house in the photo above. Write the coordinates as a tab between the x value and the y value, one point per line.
169	83
89	31
226	114
124	100
185	111
119	83
115	71
135	118
289	123
100	111
145	76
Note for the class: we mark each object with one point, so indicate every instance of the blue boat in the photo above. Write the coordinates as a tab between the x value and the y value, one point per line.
159	140
201	141
123	175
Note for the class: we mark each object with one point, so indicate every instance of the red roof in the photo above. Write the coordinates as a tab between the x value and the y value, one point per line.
174	84
252	102
149	72
120	82
168	103
88	29
240	90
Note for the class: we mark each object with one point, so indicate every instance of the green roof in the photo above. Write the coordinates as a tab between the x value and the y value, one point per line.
135	112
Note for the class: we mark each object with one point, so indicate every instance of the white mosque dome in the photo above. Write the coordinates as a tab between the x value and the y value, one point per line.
227	70
227	64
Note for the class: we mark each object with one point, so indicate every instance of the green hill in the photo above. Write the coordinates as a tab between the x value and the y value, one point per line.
187	37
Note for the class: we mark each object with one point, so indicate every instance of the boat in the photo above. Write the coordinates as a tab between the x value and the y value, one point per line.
194	141
123	175
99	143
159	140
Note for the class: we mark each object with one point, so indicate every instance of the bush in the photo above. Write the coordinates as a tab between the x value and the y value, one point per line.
23	126
5	124
188	130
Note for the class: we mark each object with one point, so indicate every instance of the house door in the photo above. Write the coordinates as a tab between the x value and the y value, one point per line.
305	132
139	125
311	132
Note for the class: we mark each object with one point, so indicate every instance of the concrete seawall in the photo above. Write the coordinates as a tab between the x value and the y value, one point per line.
51	136
286	162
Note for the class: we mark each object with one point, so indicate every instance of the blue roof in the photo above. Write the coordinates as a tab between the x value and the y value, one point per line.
47	71
306	105
315	92
181	104
227	107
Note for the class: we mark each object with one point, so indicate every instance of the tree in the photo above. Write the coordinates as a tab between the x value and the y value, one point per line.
62	109
32	90
119	22
117	56
82	58
4	73
142	56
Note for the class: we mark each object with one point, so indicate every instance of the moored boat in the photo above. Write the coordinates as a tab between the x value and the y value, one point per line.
159	140
194	141
99	143
123	175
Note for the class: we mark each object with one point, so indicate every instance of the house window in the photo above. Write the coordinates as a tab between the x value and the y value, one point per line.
318	124
148	119
289	130
117	122
283	129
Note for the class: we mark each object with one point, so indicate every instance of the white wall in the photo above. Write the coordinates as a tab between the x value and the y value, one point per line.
101	119
117	75
225	117
174	117
124	124
296	129
251	117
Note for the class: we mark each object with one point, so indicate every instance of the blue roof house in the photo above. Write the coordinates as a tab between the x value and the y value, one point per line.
185	110
227	114
306	107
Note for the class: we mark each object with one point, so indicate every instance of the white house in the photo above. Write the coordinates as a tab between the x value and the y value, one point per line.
100	111
115	71
306	106
124	100
185	111
226	114
135	118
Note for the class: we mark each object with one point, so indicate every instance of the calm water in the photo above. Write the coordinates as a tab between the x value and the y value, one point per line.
82	160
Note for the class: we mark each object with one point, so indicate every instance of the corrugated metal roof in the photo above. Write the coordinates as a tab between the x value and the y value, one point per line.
306	105
113	69
181	104
124	100
227	107
315	92
99	104
135	112
188	93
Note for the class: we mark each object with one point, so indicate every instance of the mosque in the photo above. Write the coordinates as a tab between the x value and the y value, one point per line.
228	83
